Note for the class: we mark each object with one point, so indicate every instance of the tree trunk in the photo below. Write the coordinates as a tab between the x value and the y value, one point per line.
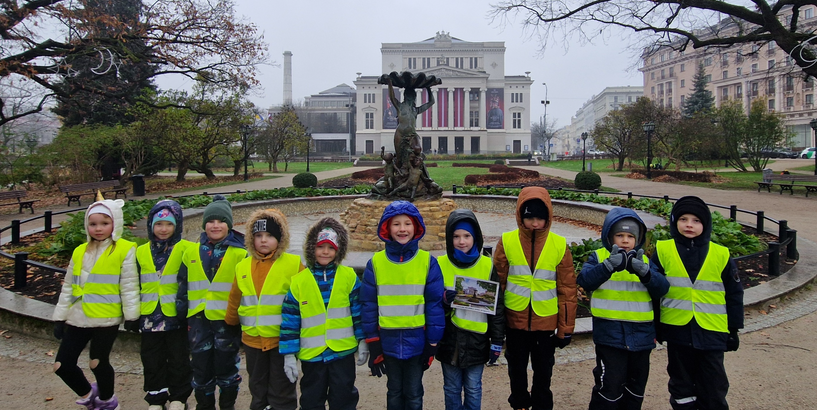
274	166
181	171
621	163
236	167
208	173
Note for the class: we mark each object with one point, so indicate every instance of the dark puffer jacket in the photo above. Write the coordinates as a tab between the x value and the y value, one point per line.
458	347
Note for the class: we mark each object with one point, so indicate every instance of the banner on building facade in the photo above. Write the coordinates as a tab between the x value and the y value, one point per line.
495	117
389	111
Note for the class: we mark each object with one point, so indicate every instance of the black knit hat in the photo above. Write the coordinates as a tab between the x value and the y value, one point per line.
267	225
691	205
535	208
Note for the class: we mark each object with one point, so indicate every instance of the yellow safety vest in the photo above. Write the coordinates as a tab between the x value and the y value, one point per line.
325	326
622	297
202	295
155	289
537	289
100	292
261	316
705	299
401	290
462	318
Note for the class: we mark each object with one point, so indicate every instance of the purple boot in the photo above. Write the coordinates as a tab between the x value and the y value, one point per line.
110	404
88	402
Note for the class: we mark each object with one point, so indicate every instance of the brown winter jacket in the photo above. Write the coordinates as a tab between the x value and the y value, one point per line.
566	290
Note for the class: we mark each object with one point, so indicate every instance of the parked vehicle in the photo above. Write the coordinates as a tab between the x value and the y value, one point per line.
808	153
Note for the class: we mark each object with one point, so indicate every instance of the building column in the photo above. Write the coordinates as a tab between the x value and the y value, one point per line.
418	103
482	113
451	108
466	108
434	122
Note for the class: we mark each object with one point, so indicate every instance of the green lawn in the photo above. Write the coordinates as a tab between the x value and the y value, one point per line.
446	175
216	185
294	167
609	164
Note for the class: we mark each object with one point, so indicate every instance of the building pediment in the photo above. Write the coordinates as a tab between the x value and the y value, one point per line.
449	72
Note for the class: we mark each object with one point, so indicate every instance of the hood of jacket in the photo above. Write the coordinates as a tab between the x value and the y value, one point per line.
696	206
115	208
401	208
527	194
312	239
280	219
615	215
176	210
455	217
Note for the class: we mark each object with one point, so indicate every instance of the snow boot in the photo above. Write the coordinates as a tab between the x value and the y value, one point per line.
205	400
110	404
177	405
226	398
88	402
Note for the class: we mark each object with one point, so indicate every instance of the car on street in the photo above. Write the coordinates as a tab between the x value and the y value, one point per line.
808	153
781	153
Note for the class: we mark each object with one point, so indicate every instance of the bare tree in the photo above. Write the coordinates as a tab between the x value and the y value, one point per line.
676	24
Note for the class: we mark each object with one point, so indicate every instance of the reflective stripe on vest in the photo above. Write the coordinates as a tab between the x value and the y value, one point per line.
153	288
261	316
401	290
705	299
322	327
538	289
622	297
462	318
202	295
100	292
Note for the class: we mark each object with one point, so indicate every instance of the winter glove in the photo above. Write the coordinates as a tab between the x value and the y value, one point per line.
59	329
496	350
636	265
362	353
616	261
449	296
733	341
561	343
132	326
376	361
291	367
428	356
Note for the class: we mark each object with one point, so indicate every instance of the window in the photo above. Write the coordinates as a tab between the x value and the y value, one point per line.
412	63
789	83
738	91
770	63
683	83
809	99
770	87
369	120
426	62
516	97
808	13
725	74
663	76
771	104
789	102
808	84
459	62
669	102
662	57
755	87
707	61
738	71
672	71
473	96
738	58
754	67
724	59
683	98
682	67
652	90
725	93
629	98
473	62
652	61
368	98
652	75
615	98
708	78
517	120
474	118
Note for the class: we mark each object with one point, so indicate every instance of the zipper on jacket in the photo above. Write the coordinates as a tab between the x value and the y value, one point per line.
532	252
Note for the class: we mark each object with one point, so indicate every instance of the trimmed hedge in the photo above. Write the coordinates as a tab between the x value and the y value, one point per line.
305	180
587	180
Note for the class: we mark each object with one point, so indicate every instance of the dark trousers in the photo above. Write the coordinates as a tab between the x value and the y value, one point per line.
73	342
621	377
214	349
329	381
404	384
537	346
269	385
697	378
166	362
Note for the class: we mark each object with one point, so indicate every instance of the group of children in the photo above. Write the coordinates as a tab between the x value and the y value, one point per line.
194	304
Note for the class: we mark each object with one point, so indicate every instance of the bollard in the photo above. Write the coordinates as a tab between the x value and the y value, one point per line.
488	250
666	198
454	188
596	191
774	258
733	212
629	195
47	221
791	248
783	226
20	269
761	219
15	232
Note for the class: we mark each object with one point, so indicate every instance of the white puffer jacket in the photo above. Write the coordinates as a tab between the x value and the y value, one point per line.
128	277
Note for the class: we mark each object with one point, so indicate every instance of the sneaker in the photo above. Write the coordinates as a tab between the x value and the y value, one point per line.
88	402
156	407
110	404
177	405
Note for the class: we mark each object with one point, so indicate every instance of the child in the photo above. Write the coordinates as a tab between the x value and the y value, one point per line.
703	310
535	270
321	324
470	339
207	276
261	282
101	288
164	348
402	315
622	305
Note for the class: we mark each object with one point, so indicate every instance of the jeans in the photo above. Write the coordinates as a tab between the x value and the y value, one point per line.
404	384
456	380
214	349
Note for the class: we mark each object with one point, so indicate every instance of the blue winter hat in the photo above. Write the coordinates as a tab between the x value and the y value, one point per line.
465	225
163	215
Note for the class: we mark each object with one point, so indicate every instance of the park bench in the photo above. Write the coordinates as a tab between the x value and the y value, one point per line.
75	191
8	195
787	182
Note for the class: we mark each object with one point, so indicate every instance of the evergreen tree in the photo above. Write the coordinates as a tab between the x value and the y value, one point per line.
701	99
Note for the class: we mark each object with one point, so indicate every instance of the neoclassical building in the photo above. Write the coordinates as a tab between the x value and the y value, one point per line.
478	108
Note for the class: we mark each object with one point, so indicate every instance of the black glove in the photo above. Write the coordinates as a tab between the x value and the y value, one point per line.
377	363
132	326
428	356
636	265
449	296
617	260
561	343
733	341
59	329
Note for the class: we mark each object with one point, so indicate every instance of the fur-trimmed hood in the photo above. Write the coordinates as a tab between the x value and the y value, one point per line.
115	208
312	239
280	219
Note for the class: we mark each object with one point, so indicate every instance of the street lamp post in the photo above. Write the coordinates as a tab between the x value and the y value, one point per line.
584	147
649	127
245	134
545	126
308	146
813	124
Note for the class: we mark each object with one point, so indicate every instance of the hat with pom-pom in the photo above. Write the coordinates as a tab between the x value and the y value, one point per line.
220	209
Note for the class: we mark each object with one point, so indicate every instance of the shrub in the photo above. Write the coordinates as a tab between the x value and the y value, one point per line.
499	162
305	180
587	180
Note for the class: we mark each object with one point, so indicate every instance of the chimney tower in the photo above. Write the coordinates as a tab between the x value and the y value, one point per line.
287	77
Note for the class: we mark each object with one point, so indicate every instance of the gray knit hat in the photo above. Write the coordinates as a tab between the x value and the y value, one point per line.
220	209
628	225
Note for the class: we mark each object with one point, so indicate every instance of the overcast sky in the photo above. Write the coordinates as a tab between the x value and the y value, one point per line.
331	40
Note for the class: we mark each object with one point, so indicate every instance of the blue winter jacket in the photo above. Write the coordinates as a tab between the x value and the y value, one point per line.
620	334
403	343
